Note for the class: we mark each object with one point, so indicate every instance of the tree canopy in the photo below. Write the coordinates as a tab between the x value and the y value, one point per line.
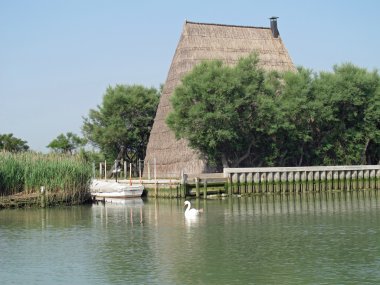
66	143
121	125
244	116
12	144
215	107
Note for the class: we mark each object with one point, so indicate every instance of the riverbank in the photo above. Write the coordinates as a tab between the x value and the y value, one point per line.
27	200
28	179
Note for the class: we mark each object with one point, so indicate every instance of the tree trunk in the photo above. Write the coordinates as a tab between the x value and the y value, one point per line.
244	156
224	161
301	158
363	158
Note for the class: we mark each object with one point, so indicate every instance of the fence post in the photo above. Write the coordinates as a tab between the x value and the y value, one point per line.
43	197
230	184
130	174
140	170
205	189
197	194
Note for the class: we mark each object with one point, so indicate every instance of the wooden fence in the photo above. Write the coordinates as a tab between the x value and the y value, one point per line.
302	179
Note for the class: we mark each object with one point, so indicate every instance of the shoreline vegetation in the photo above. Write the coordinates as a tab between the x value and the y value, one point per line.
65	180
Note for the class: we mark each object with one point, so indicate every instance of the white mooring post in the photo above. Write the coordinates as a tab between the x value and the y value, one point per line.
125	170
130	174
115	169
140	170
105	169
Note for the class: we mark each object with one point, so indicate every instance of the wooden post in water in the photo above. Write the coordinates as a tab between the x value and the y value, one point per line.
230	184
43	197
197	194
184	184
205	189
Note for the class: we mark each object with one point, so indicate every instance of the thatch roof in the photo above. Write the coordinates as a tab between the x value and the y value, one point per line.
200	42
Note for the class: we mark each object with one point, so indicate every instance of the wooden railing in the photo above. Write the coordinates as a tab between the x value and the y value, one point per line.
302	179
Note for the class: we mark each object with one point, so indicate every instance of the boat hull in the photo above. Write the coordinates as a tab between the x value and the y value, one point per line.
107	189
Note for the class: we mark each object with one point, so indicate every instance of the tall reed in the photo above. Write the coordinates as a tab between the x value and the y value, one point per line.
67	176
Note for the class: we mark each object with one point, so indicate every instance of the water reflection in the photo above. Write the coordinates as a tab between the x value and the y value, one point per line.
116	209
306	203
314	238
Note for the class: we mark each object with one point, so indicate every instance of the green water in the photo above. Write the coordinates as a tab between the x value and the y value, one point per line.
310	239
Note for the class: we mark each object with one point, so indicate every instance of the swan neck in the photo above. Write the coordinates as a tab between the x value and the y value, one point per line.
188	206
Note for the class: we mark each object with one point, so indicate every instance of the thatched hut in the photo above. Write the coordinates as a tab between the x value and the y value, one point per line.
198	42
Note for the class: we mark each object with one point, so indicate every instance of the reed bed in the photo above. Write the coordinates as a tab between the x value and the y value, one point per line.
65	178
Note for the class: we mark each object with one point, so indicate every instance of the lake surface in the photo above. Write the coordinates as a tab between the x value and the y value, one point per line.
323	238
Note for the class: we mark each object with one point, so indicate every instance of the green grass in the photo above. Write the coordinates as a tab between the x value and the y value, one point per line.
59	174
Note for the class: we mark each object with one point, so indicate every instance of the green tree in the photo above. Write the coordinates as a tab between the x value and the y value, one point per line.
67	143
298	113
215	110
121	125
10	143
350	132
243	116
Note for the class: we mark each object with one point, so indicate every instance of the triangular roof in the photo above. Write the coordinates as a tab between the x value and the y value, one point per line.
198	42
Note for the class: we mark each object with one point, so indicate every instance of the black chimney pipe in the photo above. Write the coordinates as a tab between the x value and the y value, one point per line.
273	27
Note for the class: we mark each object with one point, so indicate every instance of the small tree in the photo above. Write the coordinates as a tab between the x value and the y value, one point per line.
10	143
67	143
121	125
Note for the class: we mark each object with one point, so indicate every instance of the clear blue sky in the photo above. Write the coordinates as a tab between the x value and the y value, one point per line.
58	57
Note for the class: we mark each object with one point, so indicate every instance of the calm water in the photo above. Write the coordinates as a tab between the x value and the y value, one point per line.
309	239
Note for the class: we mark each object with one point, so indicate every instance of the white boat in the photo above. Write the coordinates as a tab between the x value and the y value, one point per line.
113	189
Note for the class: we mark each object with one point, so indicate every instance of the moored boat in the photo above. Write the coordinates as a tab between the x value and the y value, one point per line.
112	189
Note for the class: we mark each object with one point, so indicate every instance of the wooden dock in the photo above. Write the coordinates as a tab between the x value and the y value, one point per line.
251	181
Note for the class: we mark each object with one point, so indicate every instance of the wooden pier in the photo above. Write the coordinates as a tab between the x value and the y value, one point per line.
251	181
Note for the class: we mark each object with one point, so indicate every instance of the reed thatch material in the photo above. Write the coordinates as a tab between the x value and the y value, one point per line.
200	42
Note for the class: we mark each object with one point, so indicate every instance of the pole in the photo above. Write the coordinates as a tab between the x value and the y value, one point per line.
93	170
115	168
105	169
130	174
140	170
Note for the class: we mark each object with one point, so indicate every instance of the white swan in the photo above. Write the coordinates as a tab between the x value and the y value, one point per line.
191	213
